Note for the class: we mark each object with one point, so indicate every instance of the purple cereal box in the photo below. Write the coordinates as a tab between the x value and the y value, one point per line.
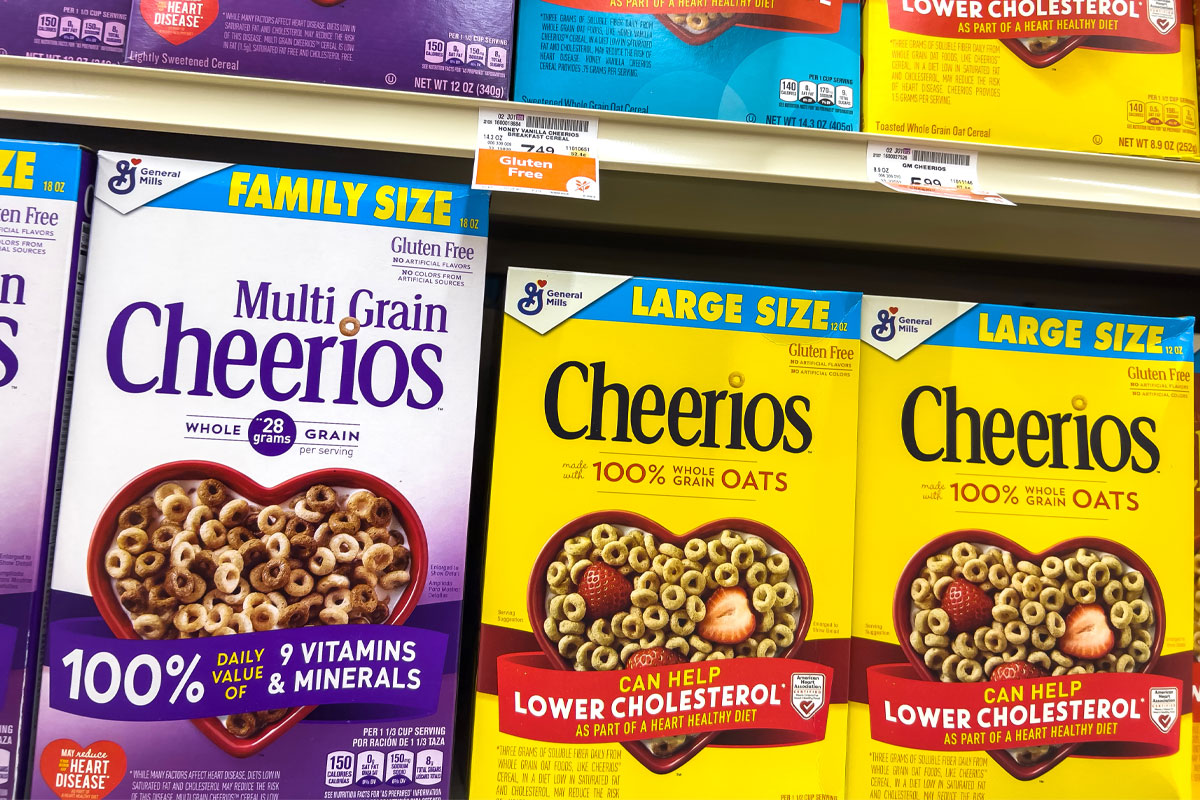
43	228
458	47
83	30
256	588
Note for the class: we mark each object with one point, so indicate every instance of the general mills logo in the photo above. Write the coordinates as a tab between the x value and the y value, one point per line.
531	304
125	181
885	331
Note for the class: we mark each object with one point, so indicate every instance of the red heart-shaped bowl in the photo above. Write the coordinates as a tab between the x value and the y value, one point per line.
902	617
1043	60
704	37
536	600
118	620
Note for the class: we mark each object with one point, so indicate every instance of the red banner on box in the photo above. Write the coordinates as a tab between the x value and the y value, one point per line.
542	703
911	711
1154	21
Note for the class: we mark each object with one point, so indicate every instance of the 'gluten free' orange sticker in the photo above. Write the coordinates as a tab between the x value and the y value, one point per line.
550	172
82	773
537	154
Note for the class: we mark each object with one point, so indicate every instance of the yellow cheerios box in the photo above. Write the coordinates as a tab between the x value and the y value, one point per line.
1021	620
1106	76
667	592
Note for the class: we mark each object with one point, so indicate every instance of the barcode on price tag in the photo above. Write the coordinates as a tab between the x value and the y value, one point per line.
537	154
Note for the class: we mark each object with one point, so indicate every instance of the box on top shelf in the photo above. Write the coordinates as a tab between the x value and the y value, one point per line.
666	603
1110	76
44	194
787	62
1020	615
456	47
86	30
257	580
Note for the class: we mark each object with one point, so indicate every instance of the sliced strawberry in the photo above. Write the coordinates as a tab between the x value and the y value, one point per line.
968	606
727	617
653	657
1016	671
605	590
1088	635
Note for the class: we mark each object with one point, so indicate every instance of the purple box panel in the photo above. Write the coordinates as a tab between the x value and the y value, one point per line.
458	47
43	188
85	30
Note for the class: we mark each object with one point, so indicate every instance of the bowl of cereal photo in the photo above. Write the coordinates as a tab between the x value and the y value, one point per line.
699	27
614	590
1040	52
973	606
196	549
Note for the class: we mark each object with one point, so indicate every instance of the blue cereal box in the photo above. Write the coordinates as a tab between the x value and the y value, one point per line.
782	62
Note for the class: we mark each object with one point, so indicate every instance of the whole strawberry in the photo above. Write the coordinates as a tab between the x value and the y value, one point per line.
967	605
605	590
653	657
1016	671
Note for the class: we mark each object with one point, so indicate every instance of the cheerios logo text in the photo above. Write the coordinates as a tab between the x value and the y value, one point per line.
159	348
1063	440
689	416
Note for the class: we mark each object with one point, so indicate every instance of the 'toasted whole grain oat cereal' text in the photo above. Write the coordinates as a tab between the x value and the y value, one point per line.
1106	76
1019	613
665	598
257	575
44	217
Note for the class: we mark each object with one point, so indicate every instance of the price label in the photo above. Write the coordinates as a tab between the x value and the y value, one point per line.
537	154
931	171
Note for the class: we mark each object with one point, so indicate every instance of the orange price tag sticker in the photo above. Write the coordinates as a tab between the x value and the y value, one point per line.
973	195
537	154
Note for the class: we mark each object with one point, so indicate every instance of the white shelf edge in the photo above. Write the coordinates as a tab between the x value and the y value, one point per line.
179	102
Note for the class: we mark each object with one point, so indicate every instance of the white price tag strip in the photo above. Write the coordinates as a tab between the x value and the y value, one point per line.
931	171
537	154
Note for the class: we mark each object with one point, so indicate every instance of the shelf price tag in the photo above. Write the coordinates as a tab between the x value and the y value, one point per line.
931	171
537	154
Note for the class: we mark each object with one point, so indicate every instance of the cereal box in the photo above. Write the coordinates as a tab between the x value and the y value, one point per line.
783	62
257	579
89	30
458	47
667	596
1196	570
1106	76
1020	618
43	233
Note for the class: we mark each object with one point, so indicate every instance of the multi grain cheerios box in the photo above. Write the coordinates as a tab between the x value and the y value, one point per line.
44	205
91	30
782	62
666	599
1020	619
256	586
457	47
1106	76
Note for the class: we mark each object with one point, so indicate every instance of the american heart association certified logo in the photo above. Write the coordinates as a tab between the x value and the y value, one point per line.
808	693
1164	707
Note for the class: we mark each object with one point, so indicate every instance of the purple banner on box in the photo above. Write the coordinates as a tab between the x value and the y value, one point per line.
133	679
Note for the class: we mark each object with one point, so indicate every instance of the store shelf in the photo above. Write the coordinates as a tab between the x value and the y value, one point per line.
748	181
